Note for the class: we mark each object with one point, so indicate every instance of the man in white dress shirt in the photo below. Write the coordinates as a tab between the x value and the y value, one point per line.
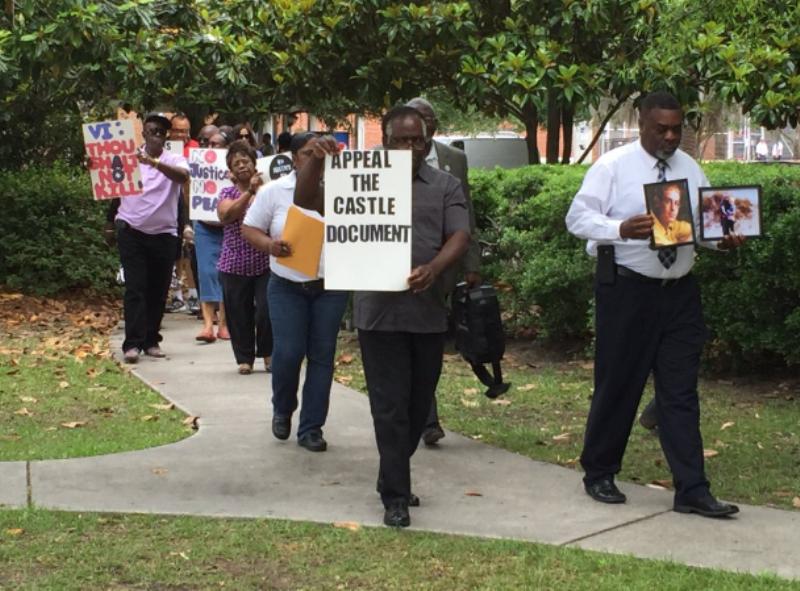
648	312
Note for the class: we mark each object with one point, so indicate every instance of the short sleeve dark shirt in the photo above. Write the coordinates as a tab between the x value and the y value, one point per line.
438	210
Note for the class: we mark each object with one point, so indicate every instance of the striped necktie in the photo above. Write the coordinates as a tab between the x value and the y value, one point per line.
667	256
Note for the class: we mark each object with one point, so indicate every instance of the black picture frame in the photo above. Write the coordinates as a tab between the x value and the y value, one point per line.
744	214
683	224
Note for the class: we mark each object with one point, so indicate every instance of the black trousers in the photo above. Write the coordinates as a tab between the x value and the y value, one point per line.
147	260
247	315
402	370
433	414
643	327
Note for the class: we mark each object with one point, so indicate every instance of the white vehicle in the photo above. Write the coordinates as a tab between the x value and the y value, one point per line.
505	149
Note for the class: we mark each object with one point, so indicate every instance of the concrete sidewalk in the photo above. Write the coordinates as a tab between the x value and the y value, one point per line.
233	466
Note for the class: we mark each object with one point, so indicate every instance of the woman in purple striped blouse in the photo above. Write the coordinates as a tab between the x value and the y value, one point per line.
243	270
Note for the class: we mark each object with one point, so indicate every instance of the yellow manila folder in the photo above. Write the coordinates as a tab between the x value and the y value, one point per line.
304	235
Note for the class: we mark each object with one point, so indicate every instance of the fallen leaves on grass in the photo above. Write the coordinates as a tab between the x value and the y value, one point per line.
501	402
344	379
796	502
710	453
82	322
168	406
63	384
470	391
30	399
15	531
348	525
191	422
345	359
148	418
23	412
727	425
73	424
660	483
562	437
526	387
466	402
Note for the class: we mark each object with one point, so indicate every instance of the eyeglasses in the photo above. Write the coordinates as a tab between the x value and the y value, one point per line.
416	142
244	134
203	141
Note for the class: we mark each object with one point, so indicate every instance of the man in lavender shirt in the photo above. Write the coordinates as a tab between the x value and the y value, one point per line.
147	237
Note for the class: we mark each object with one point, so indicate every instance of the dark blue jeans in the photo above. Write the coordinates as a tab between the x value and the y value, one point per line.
305	322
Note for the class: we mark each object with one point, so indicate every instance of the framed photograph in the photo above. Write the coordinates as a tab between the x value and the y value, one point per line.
726	210
669	204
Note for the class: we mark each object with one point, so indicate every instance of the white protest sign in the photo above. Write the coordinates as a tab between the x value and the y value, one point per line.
111	147
368	220
273	167
174	147
209	175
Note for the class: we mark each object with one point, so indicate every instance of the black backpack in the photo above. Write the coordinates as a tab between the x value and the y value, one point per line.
479	334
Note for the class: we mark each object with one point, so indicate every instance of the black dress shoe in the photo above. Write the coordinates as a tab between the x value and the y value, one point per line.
313	441
649	417
396	514
605	491
705	505
281	427
431	435
413	500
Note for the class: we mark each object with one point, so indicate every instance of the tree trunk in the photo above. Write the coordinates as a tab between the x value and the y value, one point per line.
602	127
567	120
531	120
553	126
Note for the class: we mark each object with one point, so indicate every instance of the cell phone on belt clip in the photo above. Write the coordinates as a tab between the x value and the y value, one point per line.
606	267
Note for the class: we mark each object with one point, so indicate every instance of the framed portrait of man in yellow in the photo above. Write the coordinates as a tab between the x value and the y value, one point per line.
671	208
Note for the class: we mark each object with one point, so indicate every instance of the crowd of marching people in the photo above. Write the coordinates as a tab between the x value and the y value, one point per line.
272	312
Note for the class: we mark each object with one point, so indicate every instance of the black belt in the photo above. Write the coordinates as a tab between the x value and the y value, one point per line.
625	272
315	284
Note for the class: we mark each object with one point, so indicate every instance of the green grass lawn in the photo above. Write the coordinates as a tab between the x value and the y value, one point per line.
751	430
64	397
69	551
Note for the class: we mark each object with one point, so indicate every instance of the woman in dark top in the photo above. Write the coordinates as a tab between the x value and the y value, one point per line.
243	270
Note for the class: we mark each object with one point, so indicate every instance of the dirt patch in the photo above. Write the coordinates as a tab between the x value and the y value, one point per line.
33	314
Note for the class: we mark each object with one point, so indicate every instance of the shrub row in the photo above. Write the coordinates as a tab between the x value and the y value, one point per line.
52	241
751	297
52	232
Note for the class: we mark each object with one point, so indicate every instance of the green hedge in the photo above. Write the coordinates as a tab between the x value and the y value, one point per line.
52	241
751	297
52	232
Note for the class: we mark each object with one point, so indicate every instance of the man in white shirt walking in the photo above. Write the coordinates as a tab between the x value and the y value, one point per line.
648	312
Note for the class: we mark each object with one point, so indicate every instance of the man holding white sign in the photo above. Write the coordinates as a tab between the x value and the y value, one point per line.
401	333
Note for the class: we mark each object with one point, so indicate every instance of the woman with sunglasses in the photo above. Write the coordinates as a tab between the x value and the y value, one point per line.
243	131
